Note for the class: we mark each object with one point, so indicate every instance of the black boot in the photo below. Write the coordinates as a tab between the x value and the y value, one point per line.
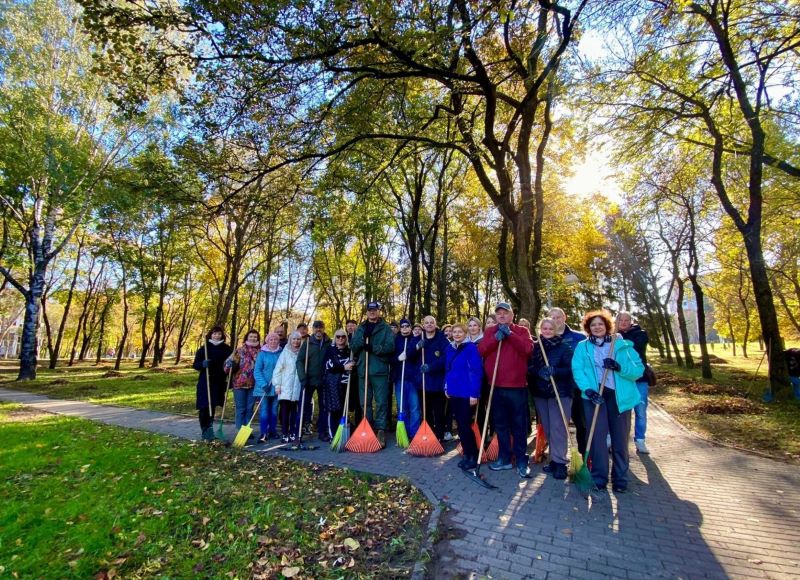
559	471
470	462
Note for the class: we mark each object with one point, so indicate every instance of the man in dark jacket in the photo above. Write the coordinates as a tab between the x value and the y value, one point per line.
405	376
310	371
432	358
510	400
373	340
638	337
793	364
572	338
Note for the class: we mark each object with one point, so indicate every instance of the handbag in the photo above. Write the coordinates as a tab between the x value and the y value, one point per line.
650	375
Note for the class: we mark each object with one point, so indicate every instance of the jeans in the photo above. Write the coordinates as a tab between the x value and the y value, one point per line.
640	411
268	415
412	412
245	401
795	386
510	413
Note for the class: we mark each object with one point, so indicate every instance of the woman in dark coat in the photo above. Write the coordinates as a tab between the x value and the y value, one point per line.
335	382
218	352
559	355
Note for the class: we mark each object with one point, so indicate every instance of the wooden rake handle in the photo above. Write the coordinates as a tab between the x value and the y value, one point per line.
489	403
555	390
597	407
208	377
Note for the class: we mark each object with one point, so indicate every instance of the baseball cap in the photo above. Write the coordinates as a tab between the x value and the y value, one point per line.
503	306
374	305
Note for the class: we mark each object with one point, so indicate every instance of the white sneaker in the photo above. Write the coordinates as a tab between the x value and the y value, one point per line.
641	447
448	436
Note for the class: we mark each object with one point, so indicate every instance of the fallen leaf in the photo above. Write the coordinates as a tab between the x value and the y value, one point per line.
139	539
290	571
351	544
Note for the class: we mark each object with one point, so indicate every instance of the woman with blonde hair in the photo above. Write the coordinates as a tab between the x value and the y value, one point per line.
287	384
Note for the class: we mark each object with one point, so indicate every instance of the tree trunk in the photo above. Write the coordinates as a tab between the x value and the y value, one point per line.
705	363
28	346
687	352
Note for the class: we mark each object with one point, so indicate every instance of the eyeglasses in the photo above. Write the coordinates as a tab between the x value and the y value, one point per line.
340	336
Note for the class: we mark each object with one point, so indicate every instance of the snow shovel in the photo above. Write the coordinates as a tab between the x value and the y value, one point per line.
475	473
246	430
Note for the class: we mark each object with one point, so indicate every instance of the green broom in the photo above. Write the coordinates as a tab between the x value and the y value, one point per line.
583	478
575	459
343	430
401	434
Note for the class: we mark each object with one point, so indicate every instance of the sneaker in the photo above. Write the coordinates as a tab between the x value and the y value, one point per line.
619	488
641	447
549	468
292	438
500	465
381	438
560	471
285	439
448	436
469	463
524	470
262	439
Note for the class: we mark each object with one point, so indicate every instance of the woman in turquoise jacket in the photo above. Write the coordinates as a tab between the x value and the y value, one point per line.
265	365
613	401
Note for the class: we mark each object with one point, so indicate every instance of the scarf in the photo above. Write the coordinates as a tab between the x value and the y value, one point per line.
216	342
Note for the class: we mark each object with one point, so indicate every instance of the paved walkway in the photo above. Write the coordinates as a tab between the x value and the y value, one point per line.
693	509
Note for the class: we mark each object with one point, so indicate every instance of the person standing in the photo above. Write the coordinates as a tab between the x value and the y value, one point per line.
287	385
474	330
405	376
355	402
335	382
559	357
792	356
462	387
373	337
350	326
265	390
433	344
572	338
218	352
242	364
312	353
592	358
510	400
638	336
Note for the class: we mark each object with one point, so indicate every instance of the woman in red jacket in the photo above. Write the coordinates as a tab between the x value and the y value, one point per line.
510	400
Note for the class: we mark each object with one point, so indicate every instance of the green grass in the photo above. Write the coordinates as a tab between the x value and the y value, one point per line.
81	499
772	428
171	389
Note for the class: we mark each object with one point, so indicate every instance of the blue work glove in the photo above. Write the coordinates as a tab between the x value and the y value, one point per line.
424	368
228	365
205	364
546	372
594	397
421	343
611	364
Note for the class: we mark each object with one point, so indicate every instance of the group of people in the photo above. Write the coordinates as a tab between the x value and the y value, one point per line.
568	375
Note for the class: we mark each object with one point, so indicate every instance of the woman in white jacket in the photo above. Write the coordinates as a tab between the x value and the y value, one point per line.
287	384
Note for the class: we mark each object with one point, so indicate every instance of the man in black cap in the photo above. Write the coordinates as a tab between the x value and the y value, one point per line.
374	336
314	350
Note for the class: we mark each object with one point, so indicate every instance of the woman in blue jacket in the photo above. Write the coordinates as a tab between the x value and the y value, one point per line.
265	365
462	386
619	395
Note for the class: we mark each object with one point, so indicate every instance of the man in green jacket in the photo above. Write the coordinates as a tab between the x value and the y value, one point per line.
373	341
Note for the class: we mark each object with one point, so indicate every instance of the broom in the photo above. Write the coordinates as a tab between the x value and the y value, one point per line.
583	478
208	392
343	430
425	443
400	433
246	430
575	459
364	440
219	433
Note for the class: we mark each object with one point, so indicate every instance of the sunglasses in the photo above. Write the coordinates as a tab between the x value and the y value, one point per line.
341	336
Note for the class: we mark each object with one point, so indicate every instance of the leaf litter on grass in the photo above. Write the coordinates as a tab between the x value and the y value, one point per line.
176	505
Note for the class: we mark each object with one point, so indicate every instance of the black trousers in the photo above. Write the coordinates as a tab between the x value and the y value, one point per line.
286	408
436	401
206	419
463	412
510	412
579	420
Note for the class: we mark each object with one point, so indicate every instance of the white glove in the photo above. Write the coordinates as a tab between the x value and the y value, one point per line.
402	356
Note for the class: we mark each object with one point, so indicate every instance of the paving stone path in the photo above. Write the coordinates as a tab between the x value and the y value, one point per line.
693	509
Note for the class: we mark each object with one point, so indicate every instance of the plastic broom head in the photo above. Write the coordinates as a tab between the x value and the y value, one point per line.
583	479
363	440
400	432
338	442
242	436
425	443
575	463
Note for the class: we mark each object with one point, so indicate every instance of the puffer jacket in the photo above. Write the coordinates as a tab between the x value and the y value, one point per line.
583	370
285	376
265	366
559	355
